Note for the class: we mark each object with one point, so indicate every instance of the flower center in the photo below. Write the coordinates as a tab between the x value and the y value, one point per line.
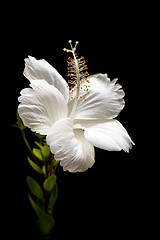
77	71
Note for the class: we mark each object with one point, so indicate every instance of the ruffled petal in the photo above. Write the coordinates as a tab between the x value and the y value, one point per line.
41	105
98	98
69	146
41	69
106	134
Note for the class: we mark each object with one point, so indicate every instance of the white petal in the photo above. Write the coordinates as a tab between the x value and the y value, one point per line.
98	98
41	105
70	146
41	69
107	134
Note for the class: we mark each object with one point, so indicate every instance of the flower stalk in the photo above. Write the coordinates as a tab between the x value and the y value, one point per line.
27	144
42	193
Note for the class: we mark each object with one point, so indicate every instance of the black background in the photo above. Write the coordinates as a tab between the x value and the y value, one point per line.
107	199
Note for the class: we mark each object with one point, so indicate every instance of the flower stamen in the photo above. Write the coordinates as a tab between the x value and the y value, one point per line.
72	70
77	72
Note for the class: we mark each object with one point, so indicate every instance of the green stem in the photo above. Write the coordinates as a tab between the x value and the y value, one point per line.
27	144
53	164
56	165
52	161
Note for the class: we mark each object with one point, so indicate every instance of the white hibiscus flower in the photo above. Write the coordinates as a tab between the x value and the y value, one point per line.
74	119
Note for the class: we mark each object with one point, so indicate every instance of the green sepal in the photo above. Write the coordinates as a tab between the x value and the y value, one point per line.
34	187
35	166
37	152
53	198
39	136
49	183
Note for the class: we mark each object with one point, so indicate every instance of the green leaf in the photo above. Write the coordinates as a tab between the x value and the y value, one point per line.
41	204
55	163
53	198
37	209
35	166
37	152
46	222
49	183
39	145
44	169
34	187
45	151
